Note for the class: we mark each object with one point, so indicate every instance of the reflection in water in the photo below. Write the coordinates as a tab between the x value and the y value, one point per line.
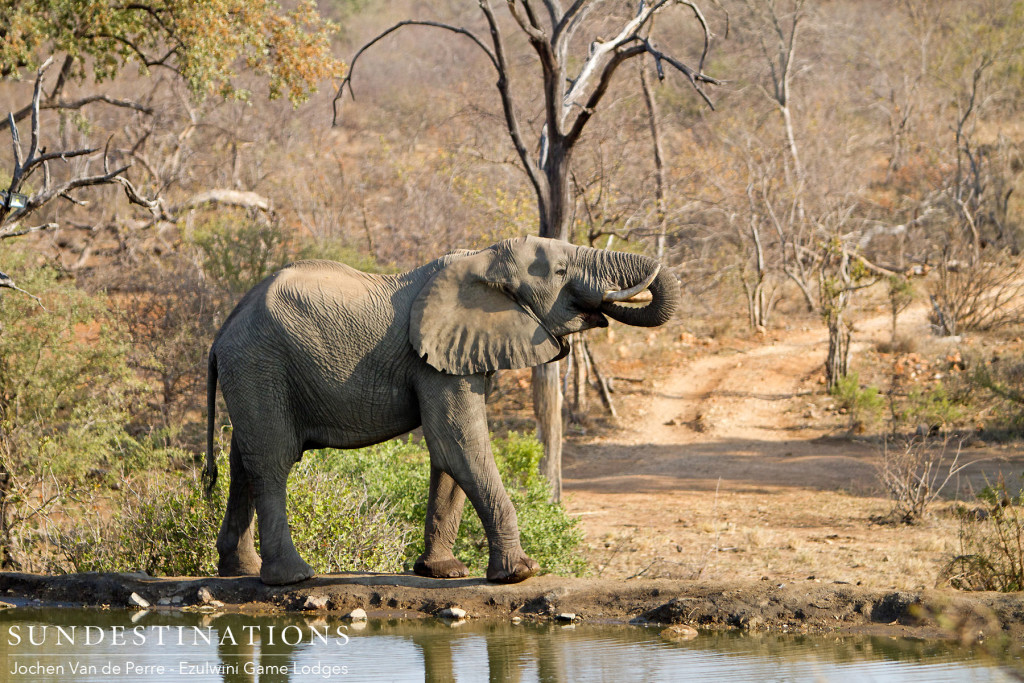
95	645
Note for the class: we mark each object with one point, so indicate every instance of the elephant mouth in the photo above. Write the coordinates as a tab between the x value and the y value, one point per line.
637	294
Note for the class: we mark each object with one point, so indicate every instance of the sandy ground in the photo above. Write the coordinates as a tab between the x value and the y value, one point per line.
731	466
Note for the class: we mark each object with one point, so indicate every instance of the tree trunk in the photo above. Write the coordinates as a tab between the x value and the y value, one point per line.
837	363
547	408
547	390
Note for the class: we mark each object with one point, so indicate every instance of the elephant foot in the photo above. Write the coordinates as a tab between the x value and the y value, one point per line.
282	573
239	565
513	570
446	568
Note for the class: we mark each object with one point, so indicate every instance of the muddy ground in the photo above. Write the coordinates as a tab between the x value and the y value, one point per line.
805	607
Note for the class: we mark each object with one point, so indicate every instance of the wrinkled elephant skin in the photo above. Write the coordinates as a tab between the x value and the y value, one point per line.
321	355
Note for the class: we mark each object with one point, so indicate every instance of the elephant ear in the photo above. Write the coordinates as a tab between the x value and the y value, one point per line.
464	322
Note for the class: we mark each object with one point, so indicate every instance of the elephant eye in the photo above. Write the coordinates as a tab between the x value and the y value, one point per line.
560	272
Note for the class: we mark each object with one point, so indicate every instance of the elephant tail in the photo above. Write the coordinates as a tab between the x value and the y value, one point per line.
210	469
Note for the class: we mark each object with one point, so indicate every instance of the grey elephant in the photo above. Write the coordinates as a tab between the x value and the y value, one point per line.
322	355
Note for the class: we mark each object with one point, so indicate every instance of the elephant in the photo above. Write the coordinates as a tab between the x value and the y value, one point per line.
320	355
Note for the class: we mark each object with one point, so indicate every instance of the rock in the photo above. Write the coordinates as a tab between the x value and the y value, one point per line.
204	595
358	614
679	632
6	605
136	600
566	616
315	602
164	601
452	613
517	620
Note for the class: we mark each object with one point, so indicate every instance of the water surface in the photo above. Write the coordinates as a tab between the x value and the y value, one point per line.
117	645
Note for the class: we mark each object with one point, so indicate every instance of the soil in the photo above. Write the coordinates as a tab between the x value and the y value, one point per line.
798	607
735	465
733	494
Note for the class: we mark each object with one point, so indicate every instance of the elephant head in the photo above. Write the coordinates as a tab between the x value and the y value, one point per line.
510	305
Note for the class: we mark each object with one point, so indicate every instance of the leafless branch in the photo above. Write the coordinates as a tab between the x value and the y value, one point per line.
408	22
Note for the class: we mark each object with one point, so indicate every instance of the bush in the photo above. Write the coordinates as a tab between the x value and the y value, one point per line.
914	477
65	392
1000	380
991	556
238	251
399	472
170	528
359	510
865	406
936	407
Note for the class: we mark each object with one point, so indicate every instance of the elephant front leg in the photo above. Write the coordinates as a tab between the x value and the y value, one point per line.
444	513
455	426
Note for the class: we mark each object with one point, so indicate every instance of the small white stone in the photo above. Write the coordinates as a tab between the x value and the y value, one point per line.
358	614
315	602
138	601
164	601
516	620
452	613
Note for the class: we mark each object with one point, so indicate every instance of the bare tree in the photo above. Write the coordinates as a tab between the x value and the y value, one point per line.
570	97
15	207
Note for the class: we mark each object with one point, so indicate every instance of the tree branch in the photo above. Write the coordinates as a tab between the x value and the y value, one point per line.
409	22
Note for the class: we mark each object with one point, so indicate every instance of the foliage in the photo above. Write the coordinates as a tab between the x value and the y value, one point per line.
991	552
170	528
205	41
900	293
170	311
399	472
63	378
934	407
992	386
65	396
239	251
336	250
864	405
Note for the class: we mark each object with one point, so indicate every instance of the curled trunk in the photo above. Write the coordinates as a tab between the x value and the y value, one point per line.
664	290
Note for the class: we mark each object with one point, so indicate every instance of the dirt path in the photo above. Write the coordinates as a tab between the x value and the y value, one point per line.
733	466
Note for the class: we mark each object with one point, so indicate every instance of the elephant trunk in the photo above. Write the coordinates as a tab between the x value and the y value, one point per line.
642	275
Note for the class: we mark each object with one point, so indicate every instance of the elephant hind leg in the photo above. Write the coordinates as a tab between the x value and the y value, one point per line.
444	513
235	544
282	564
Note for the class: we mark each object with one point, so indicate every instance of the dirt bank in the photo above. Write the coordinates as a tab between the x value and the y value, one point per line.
805	606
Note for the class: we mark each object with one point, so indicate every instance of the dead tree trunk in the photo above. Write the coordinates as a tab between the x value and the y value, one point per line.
572	87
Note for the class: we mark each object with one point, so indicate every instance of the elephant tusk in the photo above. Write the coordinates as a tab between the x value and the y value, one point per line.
635	294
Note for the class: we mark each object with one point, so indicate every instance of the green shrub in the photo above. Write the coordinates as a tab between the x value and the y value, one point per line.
238	251
359	510
865	406
170	528
399	472
935	407
65	397
991	552
996	385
